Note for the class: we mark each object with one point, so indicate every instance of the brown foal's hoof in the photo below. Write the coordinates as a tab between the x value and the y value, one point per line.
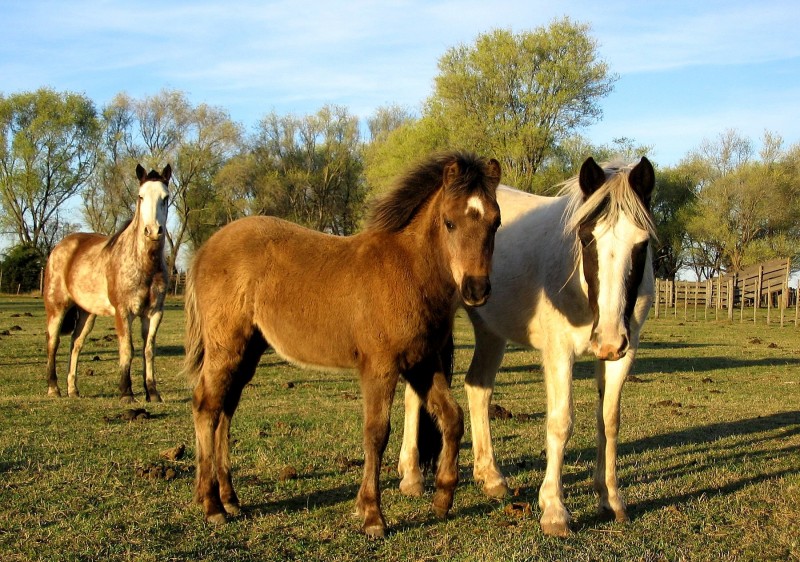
232	509
442	502
126	399
610	515
55	392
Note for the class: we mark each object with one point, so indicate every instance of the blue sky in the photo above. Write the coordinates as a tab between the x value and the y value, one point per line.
688	70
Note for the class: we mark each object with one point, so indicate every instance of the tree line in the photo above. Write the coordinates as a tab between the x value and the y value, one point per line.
522	98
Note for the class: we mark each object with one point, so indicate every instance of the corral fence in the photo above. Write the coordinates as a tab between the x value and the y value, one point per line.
760	288
177	283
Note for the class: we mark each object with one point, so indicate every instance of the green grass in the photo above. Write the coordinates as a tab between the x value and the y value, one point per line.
709	457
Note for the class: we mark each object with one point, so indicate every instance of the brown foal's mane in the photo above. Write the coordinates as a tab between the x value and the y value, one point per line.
394	211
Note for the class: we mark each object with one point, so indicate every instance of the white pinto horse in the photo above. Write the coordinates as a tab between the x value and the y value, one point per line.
571	275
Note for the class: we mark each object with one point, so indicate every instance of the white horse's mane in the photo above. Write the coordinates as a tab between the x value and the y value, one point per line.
616	196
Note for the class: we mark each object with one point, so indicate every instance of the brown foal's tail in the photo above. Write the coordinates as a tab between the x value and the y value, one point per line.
195	347
429	437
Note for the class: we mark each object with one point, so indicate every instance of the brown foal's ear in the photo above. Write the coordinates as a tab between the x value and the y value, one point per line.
450	173
166	173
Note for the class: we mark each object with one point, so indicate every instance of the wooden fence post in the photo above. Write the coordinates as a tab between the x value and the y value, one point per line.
655	310
730	300
797	304
769	301
674	293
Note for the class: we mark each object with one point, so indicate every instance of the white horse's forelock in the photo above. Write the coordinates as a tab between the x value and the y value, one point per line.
616	194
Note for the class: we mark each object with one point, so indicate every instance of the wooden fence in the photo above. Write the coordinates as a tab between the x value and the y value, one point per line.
763	286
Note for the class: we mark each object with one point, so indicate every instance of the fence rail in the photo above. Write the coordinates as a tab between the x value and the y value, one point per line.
763	286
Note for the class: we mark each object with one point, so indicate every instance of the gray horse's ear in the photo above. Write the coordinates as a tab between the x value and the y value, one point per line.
166	173
591	177
141	173
643	179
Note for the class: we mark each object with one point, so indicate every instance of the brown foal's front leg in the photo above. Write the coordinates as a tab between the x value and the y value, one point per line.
378	392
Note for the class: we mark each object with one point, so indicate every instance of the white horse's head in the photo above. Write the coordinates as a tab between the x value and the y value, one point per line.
614	225
153	202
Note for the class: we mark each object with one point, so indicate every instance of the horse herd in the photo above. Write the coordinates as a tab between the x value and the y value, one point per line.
567	275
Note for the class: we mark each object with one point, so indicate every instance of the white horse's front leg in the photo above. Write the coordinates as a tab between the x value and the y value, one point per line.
479	385
610	377
149	330
412	483
557	363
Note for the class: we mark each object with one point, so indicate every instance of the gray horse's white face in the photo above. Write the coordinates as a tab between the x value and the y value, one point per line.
153	203
614	258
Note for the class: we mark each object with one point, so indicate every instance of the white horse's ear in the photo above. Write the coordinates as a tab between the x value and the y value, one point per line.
643	179
141	173
166	173
591	177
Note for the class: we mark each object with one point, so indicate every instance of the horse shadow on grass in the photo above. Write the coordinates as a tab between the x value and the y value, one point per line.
679	463
667	365
347	493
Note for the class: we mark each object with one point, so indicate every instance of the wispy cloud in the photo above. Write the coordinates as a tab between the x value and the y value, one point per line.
295	56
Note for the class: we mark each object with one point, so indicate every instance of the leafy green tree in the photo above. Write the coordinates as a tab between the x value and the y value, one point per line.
411	141
209	139
48	151
518	96
746	210
110	195
21	268
309	169
672	205
515	96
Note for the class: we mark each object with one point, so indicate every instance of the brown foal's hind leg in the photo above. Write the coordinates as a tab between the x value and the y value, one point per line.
378	392
247	368
450	419
207	410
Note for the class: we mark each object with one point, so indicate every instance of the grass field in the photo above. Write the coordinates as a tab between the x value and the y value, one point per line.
709	457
